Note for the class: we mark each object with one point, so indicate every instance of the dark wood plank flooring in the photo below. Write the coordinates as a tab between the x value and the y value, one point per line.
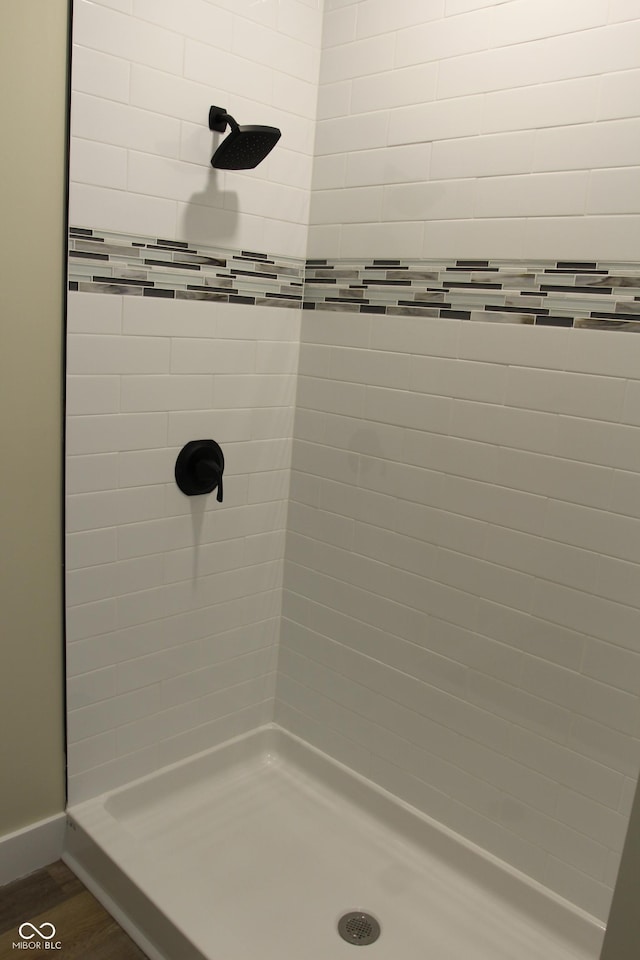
83	927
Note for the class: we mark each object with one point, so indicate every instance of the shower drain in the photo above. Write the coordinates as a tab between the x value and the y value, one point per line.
358	928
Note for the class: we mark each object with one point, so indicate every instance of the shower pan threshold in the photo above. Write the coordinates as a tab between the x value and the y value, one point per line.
257	848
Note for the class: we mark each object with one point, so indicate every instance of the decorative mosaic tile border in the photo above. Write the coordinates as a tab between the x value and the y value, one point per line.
102	262
596	295
546	293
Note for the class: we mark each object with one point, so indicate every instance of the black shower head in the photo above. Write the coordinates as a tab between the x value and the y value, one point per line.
245	147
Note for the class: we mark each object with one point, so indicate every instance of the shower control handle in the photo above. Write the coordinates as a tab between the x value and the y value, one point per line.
199	468
209	474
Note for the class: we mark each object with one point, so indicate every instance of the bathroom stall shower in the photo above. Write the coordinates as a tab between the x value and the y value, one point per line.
353	421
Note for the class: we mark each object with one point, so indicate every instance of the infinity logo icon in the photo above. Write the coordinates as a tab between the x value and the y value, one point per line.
39	931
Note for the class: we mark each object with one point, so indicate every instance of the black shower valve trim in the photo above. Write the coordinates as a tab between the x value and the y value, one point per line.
199	468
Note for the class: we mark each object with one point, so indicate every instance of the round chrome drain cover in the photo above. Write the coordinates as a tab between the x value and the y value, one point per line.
359	928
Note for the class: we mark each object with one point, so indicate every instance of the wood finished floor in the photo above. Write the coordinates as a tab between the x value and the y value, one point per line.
55	895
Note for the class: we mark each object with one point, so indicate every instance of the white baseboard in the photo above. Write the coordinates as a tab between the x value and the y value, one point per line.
33	847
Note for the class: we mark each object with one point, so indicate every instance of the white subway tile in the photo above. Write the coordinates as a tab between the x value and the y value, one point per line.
444	199
609	238
195	224
518	344
488	156
87	313
519	707
587	614
412	335
342	134
596	530
91	619
435	121
98	164
123	5
487	580
376	239
92	473
542	105
275	357
262	390
360	204
462	379
443	38
604	357
526	20
226	425
163	318
400	87
607	144
172	179
580	695
91	752
625	494
339	26
542	558
329	172
165	393
454	7
261	45
494	504
614	191
407	409
619	94
99	74
92	394
531	195
88	511
303	21
564	766
195	18
531	634
607	746
98	582
600	398
541	61
403	164
120	211
124	36
121	125
612	665
94	546
88	354
115	432
140	467
91	687
376	17
620	10
356	59
334	100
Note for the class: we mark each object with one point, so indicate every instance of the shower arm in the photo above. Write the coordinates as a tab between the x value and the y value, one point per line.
219	118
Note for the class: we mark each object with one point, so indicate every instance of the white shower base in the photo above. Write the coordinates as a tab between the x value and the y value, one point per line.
256	848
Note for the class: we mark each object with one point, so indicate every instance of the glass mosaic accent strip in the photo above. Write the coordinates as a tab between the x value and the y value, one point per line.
560	293
118	263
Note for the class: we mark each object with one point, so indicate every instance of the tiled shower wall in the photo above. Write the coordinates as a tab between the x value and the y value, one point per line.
461	613
145	73
173	603
478	128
